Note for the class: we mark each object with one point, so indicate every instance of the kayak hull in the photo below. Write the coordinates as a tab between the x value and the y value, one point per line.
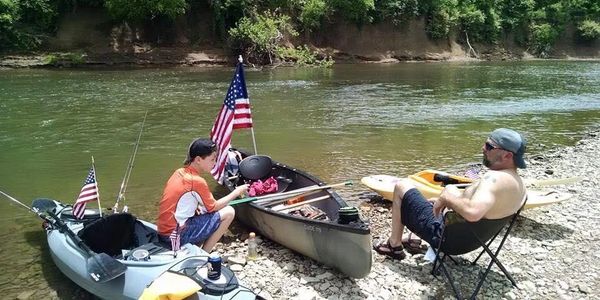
71	261
384	186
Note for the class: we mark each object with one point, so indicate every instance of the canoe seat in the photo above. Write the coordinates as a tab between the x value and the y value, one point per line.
111	234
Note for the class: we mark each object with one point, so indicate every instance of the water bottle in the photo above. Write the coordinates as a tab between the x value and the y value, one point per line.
252	251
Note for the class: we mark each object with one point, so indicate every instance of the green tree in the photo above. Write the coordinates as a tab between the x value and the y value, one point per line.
258	37
139	10
312	13
357	11
397	11
24	23
589	30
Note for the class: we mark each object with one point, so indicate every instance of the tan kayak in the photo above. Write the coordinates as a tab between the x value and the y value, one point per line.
384	186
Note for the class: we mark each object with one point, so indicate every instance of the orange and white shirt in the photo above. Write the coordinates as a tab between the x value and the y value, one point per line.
186	194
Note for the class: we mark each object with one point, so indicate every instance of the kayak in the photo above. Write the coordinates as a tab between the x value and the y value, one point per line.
117	256
331	232
425	183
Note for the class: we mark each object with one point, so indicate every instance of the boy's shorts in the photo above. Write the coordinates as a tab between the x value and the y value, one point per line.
197	229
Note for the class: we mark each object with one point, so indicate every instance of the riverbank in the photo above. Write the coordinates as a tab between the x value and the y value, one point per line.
145	56
552	252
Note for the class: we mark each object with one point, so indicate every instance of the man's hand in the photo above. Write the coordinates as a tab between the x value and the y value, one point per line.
438	206
450	192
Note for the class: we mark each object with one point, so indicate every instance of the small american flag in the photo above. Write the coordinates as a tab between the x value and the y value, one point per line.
175	239
234	114
473	172
89	192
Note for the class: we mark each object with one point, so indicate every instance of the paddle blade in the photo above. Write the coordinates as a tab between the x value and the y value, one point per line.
103	268
43	205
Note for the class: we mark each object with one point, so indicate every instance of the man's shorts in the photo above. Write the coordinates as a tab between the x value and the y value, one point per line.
417	216
197	229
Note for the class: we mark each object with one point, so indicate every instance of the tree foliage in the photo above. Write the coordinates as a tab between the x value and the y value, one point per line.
535	24
258	36
139	10
589	30
24	22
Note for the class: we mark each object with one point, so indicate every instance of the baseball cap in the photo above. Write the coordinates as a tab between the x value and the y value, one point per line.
200	147
512	141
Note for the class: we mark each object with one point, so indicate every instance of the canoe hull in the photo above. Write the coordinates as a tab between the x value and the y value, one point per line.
345	247
317	240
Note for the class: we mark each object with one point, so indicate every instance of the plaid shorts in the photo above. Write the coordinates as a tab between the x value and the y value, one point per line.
199	228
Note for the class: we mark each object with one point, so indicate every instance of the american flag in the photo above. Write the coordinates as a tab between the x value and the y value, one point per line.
234	114
473	172
175	239
89	192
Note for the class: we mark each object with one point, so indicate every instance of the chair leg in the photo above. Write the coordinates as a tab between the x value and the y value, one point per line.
498	263
482	251
453	260
451	281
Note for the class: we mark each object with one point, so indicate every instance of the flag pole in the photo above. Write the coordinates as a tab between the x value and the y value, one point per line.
254	140
97	188
241	60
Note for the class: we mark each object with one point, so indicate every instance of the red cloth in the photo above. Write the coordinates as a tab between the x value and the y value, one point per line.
259	187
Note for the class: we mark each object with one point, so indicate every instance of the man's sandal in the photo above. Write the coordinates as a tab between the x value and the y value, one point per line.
413	245
384	248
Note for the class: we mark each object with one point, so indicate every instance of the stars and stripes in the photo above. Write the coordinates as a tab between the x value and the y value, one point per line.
235	114
473	172
175	239
89	192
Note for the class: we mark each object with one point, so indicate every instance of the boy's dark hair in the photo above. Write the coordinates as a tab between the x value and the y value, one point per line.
202	147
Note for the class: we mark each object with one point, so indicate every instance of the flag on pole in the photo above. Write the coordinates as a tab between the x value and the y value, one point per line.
175	239
89	192
234	114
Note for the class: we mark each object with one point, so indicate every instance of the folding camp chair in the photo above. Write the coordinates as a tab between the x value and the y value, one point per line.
460	237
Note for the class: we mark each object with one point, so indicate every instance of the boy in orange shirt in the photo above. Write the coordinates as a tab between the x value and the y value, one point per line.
187	205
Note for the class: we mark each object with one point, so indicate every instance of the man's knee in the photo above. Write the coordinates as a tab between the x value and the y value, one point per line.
401	187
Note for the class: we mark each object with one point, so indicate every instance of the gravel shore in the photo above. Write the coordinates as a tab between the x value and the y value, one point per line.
553	251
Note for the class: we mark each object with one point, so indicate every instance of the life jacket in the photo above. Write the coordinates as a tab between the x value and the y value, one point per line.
233	162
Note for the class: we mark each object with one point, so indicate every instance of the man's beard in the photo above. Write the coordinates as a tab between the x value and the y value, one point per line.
486	161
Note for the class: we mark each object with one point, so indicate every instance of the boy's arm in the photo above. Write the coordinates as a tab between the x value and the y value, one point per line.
240	190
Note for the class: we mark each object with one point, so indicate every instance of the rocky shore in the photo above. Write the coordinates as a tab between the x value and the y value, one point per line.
553	252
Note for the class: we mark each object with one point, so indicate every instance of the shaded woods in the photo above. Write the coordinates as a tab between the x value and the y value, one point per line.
270	31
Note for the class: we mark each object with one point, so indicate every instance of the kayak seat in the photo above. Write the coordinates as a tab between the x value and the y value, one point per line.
460	237
110	234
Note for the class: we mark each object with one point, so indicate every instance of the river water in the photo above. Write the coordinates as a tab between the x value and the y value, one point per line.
338	124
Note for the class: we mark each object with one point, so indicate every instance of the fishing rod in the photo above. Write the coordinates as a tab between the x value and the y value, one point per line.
100	266
121	195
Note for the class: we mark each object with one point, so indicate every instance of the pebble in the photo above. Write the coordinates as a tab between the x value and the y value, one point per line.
25	295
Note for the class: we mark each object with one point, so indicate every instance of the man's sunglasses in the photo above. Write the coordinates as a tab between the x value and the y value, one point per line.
490	147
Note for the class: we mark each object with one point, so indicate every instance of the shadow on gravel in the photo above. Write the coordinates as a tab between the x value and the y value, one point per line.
466	277
526	228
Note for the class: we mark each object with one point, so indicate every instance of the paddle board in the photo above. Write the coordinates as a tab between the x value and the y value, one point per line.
384	186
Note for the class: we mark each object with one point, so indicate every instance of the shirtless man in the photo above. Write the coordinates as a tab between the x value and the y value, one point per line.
498	194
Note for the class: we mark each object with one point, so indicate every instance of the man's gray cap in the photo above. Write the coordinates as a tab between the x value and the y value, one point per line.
512	141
